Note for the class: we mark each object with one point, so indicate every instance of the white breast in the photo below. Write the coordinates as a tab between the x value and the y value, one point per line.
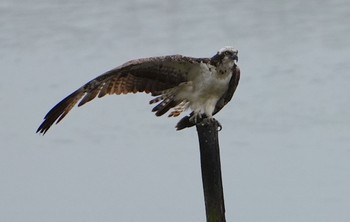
205	88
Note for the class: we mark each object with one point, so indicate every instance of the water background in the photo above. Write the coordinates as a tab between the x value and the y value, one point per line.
285	143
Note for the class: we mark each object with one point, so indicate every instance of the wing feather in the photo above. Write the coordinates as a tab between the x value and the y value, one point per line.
59	111
89	96
105	89
149	75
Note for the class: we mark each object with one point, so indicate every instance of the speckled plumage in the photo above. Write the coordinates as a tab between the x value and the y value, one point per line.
203	85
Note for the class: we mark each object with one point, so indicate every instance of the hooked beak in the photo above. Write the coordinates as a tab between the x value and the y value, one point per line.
234	57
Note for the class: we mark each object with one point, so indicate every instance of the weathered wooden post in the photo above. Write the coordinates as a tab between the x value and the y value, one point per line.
211	171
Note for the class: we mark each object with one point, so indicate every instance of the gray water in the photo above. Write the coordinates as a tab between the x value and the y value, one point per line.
285	144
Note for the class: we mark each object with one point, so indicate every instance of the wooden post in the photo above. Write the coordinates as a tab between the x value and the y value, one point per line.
211	171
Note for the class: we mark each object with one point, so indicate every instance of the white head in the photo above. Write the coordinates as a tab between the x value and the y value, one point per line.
226	55
229	49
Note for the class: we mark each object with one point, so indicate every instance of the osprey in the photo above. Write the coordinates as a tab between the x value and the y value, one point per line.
203	85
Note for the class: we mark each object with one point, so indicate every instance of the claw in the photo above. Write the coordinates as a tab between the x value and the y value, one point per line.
207	121
219	125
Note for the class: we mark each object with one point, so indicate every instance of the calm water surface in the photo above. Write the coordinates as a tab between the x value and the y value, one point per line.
285	144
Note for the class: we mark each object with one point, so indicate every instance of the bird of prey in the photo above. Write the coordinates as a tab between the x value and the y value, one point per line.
178	83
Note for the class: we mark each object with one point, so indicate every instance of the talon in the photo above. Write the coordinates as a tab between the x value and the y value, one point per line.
207	121
218	123
219	126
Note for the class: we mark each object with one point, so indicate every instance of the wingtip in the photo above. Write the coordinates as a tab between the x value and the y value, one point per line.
45	126
41	130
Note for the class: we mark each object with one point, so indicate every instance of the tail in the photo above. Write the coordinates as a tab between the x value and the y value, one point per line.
185	122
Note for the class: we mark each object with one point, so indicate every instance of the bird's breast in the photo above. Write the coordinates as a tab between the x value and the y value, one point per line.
204	82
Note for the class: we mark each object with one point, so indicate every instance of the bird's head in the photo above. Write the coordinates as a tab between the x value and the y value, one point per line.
227	55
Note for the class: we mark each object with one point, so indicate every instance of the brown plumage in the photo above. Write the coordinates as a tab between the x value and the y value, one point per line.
160	76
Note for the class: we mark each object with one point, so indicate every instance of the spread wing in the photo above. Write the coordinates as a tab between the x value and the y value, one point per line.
149	75
185	121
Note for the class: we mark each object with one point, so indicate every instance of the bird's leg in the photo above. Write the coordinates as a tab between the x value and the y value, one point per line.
196	118
203	119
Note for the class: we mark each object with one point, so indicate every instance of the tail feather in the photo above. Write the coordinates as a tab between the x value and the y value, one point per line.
189	121
185	122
